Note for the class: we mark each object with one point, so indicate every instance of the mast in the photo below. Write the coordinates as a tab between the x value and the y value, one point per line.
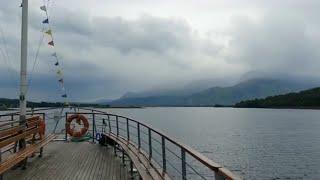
23	67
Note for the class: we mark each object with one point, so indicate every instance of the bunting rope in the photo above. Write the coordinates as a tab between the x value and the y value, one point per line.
48	32
36	59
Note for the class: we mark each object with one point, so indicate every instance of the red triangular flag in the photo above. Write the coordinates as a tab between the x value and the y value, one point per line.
51	43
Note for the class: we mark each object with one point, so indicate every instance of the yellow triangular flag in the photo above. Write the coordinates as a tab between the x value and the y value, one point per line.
49	32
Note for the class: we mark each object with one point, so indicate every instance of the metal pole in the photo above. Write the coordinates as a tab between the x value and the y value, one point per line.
93	126
150	144
1	175
217	176
139	138
131	169
12	119
128	131
66	133
109	124
23	69
117	124
44	119
123	157
164	158
183	162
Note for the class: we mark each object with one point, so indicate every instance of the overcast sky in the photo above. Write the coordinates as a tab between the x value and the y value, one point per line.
110	47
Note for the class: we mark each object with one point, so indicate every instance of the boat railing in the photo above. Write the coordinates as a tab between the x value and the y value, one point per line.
166	154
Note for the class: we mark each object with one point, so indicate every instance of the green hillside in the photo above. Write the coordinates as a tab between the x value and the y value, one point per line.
14	103
304	99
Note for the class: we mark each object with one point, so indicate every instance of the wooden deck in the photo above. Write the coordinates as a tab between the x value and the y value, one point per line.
74	161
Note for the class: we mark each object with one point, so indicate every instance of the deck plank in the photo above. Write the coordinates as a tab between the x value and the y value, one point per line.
71	161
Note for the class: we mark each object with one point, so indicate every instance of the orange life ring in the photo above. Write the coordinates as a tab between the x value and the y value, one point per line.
78	118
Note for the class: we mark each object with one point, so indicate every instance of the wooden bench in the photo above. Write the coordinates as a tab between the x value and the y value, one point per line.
12	132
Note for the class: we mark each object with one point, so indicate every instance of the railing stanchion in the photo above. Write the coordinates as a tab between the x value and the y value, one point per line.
164	159
117	124
1	175
12	119
128	131
139	138
123	162
131	169
66	133
109	124
183	162
217	176
150	144
93	126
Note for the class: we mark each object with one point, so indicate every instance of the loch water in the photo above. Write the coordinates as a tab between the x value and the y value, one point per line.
253	143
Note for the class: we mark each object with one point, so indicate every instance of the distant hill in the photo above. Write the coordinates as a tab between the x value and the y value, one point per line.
250	89
304	99
182	90
14	103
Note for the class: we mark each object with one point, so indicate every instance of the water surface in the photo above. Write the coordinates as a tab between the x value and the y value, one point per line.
253	143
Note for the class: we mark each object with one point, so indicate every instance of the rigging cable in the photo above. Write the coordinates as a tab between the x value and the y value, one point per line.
6	56
38	49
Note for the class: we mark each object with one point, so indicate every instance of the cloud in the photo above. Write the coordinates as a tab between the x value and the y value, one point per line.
276	43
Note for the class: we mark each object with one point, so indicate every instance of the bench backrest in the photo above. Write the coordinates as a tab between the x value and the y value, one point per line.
12	131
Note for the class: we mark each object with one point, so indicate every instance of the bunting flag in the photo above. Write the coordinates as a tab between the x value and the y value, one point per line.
43	8
46	21
49	32
51	43
21	5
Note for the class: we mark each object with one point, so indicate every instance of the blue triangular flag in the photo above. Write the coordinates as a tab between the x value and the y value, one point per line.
64	96
56	64
43	8
46	21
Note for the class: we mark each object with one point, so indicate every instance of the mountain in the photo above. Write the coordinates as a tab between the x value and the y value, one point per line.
182	90
255	88
249	89
304	99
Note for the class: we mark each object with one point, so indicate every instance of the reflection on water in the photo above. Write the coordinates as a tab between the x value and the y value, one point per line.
254	143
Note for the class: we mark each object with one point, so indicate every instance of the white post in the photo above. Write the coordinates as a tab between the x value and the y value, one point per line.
24	55
23	73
